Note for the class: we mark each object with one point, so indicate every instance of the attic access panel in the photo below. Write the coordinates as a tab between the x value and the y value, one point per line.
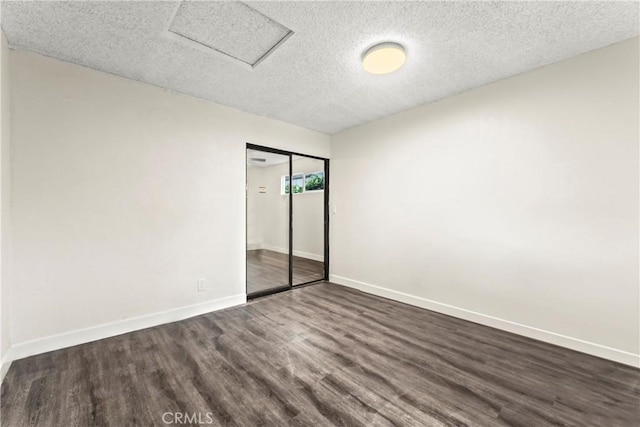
231	28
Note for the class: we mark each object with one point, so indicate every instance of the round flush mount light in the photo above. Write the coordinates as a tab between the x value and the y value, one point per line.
384	58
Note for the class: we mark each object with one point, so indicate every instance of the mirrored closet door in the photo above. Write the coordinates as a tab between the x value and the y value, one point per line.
308	220
267	223
287	220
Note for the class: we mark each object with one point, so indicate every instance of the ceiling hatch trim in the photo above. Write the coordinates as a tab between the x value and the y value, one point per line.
232	30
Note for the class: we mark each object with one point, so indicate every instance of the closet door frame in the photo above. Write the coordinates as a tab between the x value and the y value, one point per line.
290	154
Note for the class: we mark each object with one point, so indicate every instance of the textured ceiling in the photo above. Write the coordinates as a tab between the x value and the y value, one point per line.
315	78
229	27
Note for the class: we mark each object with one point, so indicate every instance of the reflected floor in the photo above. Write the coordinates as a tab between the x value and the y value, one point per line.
268	269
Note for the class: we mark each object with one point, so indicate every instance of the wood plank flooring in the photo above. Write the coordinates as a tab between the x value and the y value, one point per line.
320	355
268	269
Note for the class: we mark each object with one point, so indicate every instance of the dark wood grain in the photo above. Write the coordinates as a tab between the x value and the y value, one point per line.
321	355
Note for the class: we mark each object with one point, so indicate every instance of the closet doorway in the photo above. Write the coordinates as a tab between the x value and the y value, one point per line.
287	198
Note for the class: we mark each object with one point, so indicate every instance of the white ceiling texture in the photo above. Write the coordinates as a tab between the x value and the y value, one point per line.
300	62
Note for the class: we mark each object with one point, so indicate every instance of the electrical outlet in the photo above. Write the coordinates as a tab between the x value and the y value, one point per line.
201	285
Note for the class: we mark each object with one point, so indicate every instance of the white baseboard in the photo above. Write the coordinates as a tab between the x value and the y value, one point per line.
6	364
301	254
494	322
309	255
82	336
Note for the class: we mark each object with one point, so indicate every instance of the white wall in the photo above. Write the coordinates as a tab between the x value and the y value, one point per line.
513	205
268	212
255	207
5	207
123	196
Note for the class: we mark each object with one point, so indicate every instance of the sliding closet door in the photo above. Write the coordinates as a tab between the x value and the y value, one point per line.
308	219
268	223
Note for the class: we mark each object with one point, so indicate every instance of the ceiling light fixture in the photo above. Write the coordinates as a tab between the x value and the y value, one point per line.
384	58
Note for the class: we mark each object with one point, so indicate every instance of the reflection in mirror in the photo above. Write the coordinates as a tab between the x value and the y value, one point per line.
308	219
267	221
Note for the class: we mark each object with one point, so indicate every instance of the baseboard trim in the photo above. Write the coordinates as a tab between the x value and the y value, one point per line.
82	336
6	364
301	254
308	255
577	344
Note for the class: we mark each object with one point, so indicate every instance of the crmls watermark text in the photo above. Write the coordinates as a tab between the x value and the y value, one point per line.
178	418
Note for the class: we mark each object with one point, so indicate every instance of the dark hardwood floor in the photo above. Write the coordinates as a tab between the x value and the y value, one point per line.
268	269
318	356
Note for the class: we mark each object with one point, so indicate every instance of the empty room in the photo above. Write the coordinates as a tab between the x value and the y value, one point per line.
316	213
